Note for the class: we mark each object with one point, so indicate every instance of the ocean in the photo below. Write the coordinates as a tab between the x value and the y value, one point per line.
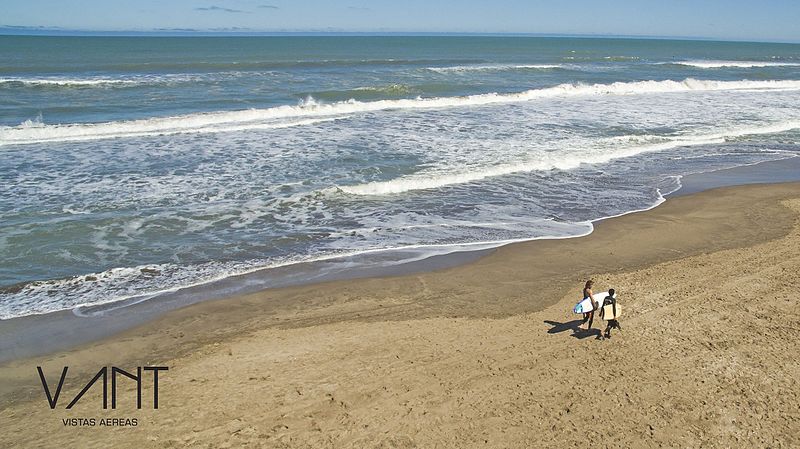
131	167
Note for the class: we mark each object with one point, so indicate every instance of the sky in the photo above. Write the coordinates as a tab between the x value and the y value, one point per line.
767	20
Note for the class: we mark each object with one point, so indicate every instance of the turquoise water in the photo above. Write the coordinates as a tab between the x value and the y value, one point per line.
135	166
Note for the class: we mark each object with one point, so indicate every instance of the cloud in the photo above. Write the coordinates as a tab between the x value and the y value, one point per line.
218	8
22	27
268	6
183	30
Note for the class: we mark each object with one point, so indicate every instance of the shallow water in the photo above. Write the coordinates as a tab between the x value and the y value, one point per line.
131	166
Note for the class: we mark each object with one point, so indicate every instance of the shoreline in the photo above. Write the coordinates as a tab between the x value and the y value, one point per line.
492	343
42	334
207	322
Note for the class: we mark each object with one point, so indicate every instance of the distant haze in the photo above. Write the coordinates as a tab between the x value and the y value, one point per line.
768	20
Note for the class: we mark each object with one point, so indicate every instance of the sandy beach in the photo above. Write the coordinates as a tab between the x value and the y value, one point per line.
482	355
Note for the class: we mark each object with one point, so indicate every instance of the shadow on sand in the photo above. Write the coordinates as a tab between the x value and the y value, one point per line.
573	326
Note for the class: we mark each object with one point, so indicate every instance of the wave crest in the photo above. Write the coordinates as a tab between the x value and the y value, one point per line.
737	64
494	68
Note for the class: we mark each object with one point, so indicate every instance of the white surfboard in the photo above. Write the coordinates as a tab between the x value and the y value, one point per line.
585	306
608	312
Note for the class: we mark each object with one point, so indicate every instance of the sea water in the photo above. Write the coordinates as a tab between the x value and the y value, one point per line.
131	167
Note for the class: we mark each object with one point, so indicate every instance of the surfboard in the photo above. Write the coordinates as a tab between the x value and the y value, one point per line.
585	305
608	312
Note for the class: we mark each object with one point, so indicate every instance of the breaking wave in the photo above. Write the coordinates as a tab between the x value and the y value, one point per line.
494	68
100	82
740	64
298	115
607	150
49	82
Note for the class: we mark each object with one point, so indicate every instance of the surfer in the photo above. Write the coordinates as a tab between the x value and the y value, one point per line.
612	323
587	293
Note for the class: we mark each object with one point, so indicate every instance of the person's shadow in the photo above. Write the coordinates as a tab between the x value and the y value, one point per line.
573	326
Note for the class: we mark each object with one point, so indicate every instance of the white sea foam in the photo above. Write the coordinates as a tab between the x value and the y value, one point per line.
35	132
607	150
739	64
126	286
387	89
494	68
107	82
282	116
67	81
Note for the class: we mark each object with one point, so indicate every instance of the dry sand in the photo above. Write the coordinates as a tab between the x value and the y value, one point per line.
483	355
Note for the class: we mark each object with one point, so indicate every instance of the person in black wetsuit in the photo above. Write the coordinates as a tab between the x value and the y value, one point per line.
613	323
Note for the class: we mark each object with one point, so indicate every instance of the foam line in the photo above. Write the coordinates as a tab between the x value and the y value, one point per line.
66	82
140	128
494	68
34	132
739	64
432	181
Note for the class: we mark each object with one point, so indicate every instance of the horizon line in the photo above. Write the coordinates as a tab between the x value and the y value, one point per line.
13	30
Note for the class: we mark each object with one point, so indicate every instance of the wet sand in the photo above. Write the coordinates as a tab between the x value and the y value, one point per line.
484	354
